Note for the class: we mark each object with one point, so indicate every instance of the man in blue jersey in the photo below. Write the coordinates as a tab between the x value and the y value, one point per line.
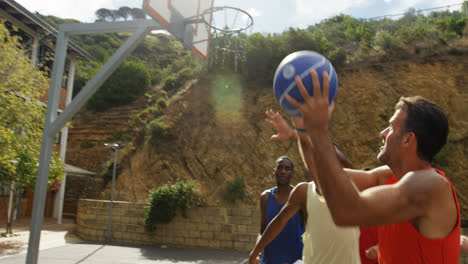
287	246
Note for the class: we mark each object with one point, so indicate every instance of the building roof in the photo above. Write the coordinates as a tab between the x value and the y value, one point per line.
11	9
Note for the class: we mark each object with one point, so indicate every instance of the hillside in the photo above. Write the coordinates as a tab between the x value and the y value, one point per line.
220	133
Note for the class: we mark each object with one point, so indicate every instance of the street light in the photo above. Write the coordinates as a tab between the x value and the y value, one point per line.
115	147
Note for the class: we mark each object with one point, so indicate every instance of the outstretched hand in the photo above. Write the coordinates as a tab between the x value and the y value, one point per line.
372	252
315	110
283	130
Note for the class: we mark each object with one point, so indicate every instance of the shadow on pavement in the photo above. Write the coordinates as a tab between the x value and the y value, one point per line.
90	255
192	255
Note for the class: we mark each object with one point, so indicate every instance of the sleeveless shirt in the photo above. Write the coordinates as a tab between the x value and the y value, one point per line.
324	242
287	246
401	243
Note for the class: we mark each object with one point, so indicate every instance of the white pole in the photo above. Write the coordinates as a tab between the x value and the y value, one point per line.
63	142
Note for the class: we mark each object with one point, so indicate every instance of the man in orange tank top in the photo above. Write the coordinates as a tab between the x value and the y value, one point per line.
417	207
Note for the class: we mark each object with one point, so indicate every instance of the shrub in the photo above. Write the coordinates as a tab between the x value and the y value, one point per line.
109	170
169	83
235	190
175	81
124	85
183	76
155	111
121	135
166	200
161	103
156	76
386	42
337	57
157	132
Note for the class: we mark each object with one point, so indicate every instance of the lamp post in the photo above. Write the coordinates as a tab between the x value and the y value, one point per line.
115	147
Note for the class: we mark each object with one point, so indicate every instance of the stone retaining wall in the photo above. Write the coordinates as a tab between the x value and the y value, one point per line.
207	227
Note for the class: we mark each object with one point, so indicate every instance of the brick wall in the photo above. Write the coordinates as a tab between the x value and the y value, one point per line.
207	227
78	187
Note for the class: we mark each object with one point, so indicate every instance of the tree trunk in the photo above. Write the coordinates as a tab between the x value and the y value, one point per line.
11	208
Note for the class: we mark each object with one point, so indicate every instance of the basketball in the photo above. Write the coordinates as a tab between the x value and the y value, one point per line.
301	63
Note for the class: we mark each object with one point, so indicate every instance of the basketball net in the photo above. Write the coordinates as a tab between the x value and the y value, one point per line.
229	29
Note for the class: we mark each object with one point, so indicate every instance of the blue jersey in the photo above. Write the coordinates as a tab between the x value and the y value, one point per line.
287	246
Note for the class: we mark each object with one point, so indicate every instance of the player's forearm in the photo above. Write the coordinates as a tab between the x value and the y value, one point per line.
270	233
340	193
305	148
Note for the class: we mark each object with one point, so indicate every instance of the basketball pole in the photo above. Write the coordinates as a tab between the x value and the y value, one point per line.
54	124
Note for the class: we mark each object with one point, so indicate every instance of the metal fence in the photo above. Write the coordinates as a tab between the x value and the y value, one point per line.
417	18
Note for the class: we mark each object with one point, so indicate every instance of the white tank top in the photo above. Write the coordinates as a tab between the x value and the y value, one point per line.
324	242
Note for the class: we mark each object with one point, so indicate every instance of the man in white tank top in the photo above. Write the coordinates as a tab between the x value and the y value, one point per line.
322	238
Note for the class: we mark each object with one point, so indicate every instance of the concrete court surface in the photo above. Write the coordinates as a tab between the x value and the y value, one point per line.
59	245
85	253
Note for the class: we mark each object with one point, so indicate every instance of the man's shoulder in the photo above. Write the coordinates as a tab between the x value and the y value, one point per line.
302	186
299	193
265	193
427	180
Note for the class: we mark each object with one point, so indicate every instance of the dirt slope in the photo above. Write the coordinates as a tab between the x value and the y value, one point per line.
220	132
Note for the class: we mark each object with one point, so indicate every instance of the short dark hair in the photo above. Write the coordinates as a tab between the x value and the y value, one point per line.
284	158
428	122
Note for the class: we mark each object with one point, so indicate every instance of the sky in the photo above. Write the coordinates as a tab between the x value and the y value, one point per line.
270	16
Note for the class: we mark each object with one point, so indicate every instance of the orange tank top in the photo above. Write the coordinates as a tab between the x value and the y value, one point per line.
401	243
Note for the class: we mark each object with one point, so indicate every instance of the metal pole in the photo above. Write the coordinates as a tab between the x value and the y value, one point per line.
109	228
63	142
40	190
52	125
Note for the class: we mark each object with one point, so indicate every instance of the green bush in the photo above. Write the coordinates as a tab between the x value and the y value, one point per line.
337	57
178	80
155	111
161	103
166	200
109	170
386	42
157	132
124	85
121	135
183	76
235	190
169	83
156	76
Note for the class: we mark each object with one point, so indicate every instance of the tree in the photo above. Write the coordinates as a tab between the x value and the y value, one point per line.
137	13
124	12
21	120
104	14
122	87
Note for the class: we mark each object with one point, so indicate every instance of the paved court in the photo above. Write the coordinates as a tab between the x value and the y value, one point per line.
85	253
59	245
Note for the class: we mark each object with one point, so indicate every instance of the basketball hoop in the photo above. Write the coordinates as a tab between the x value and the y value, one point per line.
213	12
227	37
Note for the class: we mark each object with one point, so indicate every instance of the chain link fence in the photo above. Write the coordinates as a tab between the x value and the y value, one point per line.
419	18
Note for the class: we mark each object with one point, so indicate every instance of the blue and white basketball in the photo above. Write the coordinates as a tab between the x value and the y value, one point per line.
301	63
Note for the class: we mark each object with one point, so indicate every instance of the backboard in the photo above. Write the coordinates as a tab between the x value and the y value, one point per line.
182	18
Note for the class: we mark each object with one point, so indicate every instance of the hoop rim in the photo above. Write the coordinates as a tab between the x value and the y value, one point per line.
218	8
